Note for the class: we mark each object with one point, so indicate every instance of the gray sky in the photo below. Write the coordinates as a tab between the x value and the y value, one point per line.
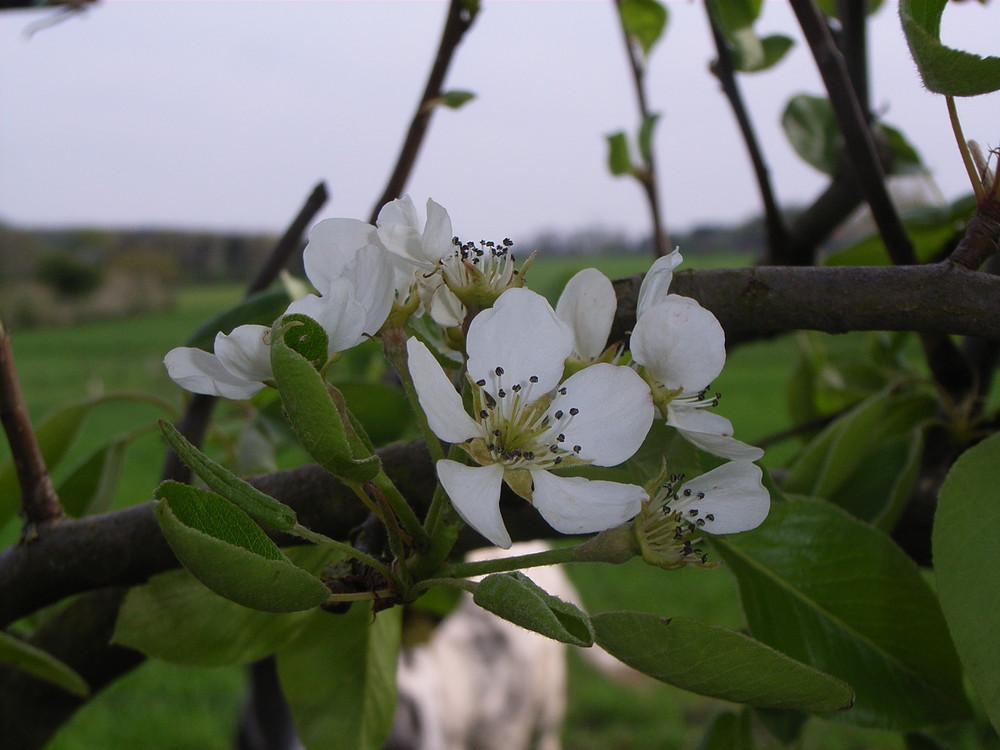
223	115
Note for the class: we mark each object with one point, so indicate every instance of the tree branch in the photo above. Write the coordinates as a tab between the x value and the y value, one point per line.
857	135
647	178
39	501
458	21
723	70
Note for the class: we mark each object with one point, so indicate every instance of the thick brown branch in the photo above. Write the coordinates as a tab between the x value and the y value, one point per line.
755	302
459	20
982	237
39	501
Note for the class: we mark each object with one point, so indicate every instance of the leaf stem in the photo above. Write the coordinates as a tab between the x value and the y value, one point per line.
963	149
314	536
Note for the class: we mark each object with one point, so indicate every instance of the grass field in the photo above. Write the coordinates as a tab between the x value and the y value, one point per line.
160	706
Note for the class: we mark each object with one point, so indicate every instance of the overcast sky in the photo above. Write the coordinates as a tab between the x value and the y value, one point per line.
223	115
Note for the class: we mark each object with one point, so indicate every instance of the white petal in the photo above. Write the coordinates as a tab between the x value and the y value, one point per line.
711	432
445	308
436	240
522	335
245	352
199	371
438	398
475	493
656	283
734	497
615	413
340	314
588	305
398	228
574	505
373	275
333	245
680	343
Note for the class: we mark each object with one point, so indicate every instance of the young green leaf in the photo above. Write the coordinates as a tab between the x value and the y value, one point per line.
717	662
644	21
944	70
41	664
248	498
518	599
230	554
835	593
619	159
812	130
339	677
966	543
456	98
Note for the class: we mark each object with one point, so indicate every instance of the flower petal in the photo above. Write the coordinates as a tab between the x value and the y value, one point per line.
656	283
446	309
438	398
245	352
521	335
710	432
398	229
680	343
199	371
373	275
340	314
332	247
588	305
475	493
614	413
574	505
436	242
734	496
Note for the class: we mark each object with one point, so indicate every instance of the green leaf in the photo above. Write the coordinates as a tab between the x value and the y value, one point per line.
301	334
261	308
518	599
784	724
175	618
339	677
244	495
905	157
41	664
230	554
54	434
716	662
317	422
943	69
644	21
776	46
729	731
455	99
91	486
811	129
832	591
619	159
966	543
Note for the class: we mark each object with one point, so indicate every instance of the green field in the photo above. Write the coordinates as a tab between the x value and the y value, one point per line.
161	706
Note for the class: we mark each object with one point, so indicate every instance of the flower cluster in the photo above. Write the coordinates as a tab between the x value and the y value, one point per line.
540	390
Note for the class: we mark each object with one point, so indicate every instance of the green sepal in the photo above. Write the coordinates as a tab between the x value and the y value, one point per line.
323	429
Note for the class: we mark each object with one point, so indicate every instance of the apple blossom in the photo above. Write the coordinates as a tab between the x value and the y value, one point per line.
526	421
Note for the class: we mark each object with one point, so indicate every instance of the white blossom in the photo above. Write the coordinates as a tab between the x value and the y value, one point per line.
525	421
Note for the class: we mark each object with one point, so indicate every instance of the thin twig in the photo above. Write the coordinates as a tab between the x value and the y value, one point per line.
194	422
461	15
853	123
647	176
723	69
39	501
